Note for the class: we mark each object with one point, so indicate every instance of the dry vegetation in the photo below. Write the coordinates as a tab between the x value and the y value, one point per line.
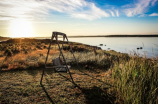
110	77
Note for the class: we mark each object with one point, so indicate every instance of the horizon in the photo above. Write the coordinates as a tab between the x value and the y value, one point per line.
39	18
72	36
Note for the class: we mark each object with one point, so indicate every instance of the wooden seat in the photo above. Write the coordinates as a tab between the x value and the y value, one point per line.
58	66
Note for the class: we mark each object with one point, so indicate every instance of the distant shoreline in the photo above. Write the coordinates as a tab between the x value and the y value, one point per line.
115	36
3	38
6	38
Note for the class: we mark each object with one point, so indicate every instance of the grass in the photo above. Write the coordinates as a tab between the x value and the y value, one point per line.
109	77
24	87
137	80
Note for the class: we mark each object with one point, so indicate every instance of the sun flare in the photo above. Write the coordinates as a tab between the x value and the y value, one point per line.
21	28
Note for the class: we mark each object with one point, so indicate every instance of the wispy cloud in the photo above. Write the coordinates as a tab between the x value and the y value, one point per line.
153	2
112	13
90	12
154	14
112	10
19	9
78	9
138	8
74	8
142	15
117	13
82	9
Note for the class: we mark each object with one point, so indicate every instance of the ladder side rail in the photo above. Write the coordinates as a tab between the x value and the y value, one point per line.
49	49
61	48
63	42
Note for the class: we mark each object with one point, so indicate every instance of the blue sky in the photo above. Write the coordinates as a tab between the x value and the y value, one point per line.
26	18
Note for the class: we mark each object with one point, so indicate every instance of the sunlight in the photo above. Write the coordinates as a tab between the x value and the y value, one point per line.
21	28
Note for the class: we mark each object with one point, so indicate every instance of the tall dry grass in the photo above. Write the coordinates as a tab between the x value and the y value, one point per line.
136	80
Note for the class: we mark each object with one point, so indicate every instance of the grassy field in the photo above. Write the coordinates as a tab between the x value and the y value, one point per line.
109	77
92	87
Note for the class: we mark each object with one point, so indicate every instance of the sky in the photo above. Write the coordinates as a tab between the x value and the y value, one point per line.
39	18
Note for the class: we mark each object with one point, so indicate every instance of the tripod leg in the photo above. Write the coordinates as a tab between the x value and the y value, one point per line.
70	75
47	57
42	77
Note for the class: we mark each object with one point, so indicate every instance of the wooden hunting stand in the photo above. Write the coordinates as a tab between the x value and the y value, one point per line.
58	66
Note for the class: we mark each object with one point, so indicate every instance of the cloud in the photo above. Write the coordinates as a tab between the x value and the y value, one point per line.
154	14
112	13
138	8
36	8
81	9
78	9
117	13
19	9
142	15
153	2
112	10
90	13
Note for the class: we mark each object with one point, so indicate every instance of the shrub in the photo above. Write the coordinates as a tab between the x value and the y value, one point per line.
1	55
44	46
3	47
8	52
75	49
39	47
16	50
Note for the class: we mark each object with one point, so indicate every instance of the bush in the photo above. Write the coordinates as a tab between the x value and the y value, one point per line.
74	49
8	52
16	50
39	47
1	55
45	47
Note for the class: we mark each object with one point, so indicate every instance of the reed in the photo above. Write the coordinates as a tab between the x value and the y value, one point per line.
136	80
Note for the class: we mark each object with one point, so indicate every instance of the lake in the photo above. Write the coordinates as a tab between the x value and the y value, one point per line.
124	44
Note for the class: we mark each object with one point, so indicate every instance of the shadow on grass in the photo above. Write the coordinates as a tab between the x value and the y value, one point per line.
33	72
95	78
47	94
95	95
92	95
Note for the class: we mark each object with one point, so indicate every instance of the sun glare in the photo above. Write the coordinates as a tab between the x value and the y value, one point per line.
21	28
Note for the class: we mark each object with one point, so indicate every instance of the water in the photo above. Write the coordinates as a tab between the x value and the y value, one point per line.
124	44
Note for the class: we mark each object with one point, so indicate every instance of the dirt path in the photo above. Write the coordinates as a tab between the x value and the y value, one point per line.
24	87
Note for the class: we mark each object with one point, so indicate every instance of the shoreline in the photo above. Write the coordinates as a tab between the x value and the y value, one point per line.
114	36
12	40
82	36
46	39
